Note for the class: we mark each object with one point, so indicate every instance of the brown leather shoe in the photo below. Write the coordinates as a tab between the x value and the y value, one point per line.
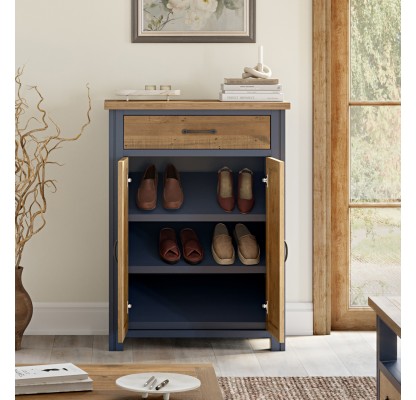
172	190
193	252
147	193
225	193
248	249
168	246
245	200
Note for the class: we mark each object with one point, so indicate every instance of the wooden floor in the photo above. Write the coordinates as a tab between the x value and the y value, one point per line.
338	354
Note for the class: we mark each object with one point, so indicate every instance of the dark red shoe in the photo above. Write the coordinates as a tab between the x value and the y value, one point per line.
168	246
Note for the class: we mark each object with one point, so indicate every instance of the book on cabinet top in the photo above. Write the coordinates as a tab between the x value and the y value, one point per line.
276	87
251	81
56	387
251	96
66	372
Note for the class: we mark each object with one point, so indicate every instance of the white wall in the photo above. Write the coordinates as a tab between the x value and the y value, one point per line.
65	44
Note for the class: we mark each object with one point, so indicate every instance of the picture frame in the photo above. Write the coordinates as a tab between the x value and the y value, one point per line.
193	21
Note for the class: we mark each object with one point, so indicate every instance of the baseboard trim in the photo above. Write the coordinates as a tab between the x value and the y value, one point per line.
92	319
69	319
299	319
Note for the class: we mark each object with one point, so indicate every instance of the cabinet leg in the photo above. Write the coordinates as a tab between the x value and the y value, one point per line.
275	345
115	347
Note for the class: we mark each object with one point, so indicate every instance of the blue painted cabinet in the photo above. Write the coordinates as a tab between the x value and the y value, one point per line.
149	298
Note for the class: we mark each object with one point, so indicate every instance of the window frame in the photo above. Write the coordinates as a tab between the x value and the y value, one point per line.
331	185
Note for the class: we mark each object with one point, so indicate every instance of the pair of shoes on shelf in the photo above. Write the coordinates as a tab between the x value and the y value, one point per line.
193	252
223	249
225	192
146	198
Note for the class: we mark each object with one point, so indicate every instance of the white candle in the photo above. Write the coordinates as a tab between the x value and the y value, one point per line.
261	55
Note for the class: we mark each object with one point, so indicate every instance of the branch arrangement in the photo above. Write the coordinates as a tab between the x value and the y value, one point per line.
33	148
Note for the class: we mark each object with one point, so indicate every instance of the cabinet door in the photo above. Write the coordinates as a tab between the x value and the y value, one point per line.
387	390
123	250
275	248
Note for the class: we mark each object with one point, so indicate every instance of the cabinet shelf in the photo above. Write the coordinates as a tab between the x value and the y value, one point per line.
391	369
180	268
200	200
185	302
144	253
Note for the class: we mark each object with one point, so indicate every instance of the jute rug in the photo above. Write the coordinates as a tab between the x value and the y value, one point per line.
298	388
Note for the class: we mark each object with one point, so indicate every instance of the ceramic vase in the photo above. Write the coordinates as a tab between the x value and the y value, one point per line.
23	308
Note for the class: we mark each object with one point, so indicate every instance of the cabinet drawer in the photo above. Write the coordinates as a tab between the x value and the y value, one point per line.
387	390
196	132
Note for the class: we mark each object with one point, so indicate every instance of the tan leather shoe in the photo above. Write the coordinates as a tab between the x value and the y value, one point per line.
172	190
146	197
225	193
248	249
222	247
245	198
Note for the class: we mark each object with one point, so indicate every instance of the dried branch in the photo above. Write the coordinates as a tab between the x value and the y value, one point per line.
33	147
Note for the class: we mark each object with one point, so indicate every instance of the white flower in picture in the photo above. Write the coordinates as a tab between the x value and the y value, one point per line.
206	5
178	5
196	19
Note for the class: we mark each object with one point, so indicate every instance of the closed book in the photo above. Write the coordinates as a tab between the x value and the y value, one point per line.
251	81
251	91
277	86
55	387
251	97
48	373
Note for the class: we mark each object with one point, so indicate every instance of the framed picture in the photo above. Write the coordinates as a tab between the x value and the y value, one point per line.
187	21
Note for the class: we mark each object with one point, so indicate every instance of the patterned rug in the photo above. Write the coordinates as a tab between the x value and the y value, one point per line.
298	388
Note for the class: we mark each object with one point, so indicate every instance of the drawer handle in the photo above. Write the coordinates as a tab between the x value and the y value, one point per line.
190	131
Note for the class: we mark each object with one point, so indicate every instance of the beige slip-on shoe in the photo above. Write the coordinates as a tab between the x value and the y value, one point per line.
222	246
248	249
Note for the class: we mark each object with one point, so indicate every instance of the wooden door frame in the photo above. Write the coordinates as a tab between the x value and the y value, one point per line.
330	185
321	103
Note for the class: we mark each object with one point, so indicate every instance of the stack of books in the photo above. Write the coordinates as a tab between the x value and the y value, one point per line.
52	378
251	89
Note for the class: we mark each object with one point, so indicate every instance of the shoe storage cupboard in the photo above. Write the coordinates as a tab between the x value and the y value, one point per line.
149	298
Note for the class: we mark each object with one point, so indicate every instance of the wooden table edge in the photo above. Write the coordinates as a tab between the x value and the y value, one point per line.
205	372
394	325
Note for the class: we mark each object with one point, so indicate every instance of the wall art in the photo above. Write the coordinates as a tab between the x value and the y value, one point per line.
187	21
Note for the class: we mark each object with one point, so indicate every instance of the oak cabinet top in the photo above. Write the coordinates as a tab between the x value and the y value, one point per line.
194	105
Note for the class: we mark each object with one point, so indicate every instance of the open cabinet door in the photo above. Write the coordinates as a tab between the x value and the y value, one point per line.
122	251
275	248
